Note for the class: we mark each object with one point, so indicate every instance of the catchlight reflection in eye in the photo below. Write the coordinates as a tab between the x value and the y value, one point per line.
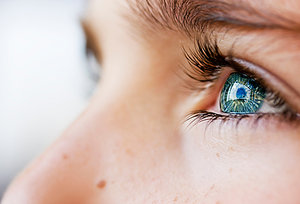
242	95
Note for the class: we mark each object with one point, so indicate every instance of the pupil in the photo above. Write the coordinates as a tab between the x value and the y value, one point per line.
241	93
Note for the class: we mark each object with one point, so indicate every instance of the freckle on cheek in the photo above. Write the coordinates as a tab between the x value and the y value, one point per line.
65	156
129	152
101	184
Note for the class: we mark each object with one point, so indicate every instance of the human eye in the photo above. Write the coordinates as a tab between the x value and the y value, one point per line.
242	95
92	53
237	91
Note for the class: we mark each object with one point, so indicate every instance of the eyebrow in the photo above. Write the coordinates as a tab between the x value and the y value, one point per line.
194	16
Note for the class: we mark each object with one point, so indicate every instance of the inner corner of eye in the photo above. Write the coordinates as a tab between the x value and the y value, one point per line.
213	96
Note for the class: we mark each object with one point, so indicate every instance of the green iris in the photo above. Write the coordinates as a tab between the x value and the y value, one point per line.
242	95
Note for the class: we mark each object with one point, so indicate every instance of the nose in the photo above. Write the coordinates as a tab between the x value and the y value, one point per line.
93	161
71	170
91	155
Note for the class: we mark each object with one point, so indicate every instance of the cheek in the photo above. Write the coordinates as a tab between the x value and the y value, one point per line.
230	164
104	154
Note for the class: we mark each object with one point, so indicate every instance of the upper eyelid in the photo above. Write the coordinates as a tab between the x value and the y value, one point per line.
271	53
270	81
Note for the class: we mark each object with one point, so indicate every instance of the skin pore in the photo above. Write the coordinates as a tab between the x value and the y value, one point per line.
135	143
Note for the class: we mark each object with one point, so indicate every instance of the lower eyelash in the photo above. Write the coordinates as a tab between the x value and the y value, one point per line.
210	117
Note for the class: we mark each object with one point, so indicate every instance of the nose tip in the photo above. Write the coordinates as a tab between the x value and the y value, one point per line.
54	182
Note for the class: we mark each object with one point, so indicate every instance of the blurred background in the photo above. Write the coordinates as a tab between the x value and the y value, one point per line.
44	77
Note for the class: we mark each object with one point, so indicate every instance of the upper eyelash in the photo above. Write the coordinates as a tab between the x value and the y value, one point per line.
206	61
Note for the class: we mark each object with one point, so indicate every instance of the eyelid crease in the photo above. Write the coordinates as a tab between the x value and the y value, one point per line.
270	80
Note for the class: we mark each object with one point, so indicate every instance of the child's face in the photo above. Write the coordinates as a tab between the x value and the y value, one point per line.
137	141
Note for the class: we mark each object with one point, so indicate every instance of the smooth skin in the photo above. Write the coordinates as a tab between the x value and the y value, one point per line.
132	144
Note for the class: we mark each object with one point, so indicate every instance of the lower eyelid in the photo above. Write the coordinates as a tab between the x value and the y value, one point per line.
242	132
268	120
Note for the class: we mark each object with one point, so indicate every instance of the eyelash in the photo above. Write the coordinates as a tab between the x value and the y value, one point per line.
207	63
